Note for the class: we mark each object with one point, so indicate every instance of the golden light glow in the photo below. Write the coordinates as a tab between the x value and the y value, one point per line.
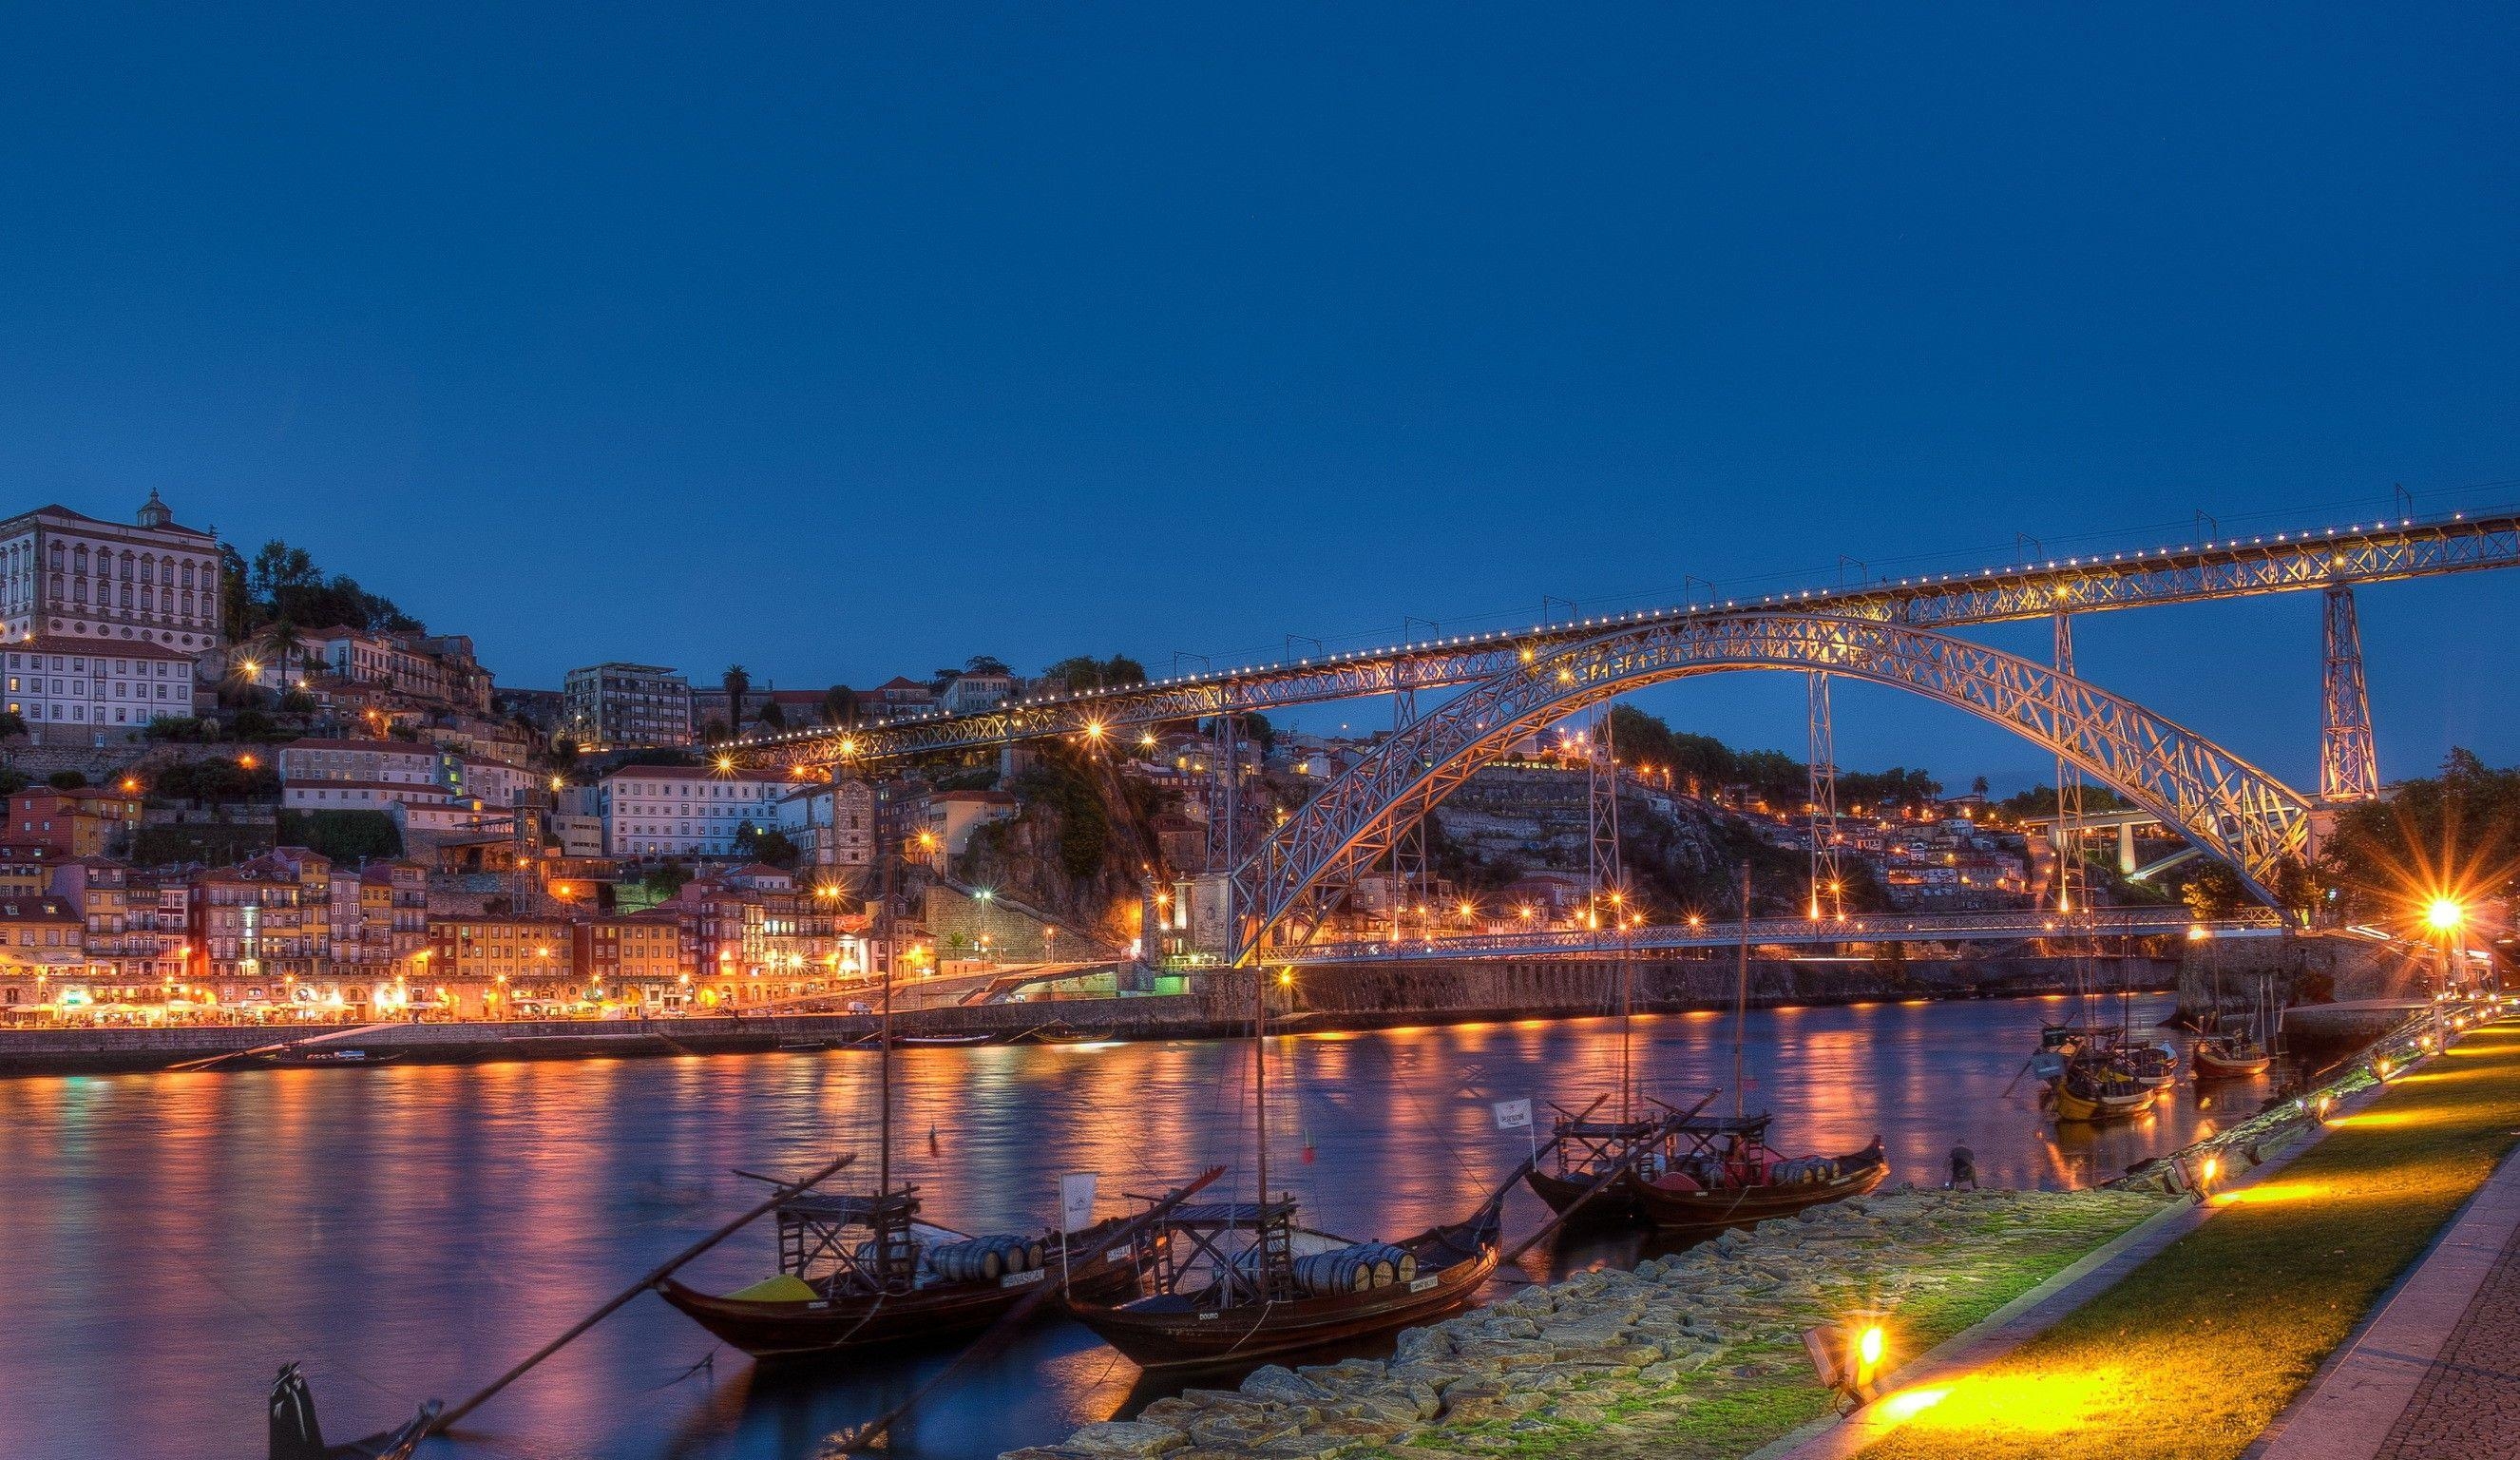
1869	1348
2445	914
725	764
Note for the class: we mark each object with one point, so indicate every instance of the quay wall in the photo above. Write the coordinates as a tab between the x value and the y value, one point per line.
1219	1006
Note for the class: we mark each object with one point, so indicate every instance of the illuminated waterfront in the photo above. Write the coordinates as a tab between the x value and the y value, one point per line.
410	1231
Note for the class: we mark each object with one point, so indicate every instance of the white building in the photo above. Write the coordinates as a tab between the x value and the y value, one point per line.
807	817
686	810
88	691
972	692
62	572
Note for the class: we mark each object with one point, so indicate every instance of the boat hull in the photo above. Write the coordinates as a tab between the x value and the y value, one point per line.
1616	1202
2213	1066
2074	1106
788	1330
1674	1211
1167	1332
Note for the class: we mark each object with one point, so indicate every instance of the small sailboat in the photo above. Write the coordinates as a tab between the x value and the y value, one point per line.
2094	1087
2224	1054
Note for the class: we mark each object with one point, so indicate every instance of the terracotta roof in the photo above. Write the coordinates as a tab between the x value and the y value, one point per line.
389	747
94	648
696	773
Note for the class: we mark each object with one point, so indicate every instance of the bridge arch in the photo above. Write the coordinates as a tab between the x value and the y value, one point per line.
2222	805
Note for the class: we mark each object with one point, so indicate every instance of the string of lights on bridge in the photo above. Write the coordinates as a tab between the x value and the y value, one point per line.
1789	598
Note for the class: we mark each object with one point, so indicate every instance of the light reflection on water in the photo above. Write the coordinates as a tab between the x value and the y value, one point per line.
412	1230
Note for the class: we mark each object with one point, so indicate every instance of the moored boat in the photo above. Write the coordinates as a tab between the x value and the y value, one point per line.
297	1434
2094	1089
2229	1057
1732	1178
1230	1282
857	1270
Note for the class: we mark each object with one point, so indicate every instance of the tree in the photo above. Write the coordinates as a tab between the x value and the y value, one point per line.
2215	892
236	597
12	725
2456	835
1084	671
840	705
1978	787
66	780
662	883
712	730
985	663
773	848
773	718
563	752
738	684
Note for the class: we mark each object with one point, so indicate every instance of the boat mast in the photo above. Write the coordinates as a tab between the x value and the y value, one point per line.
1260	1117
1742	993
884	851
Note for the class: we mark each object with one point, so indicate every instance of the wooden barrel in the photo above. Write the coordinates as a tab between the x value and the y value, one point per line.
1346	1271
981	1259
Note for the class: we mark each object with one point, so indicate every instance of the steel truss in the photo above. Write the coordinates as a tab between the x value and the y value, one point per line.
2349	764
2282	563
2226	806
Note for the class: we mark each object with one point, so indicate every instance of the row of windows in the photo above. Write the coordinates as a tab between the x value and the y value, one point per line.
78	665
147	564
122	716
122	688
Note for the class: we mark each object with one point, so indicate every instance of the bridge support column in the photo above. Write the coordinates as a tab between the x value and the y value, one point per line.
2349	762
2069	793
2125	847
1826	879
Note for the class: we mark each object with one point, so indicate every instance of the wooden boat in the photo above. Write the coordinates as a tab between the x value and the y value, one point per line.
2094	1090
1230	1282
1732	1178
856	1270
2152	1064
940	1041
2229	1057
1235	1282
297	1434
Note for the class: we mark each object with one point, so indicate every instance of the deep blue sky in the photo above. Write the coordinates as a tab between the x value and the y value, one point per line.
848	342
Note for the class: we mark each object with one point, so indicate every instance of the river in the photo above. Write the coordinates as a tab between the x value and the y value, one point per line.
410	1231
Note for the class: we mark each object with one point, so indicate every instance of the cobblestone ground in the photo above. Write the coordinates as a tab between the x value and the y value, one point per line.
2467	1407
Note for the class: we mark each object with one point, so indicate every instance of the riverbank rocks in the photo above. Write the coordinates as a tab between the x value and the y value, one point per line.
1613	1359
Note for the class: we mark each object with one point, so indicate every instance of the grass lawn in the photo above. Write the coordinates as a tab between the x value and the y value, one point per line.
2196	1350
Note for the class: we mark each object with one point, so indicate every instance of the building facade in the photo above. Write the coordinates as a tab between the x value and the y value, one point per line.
627	706
686	810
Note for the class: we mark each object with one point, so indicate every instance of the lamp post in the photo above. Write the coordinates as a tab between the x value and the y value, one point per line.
2446	915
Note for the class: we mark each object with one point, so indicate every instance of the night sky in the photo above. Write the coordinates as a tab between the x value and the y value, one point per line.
848	342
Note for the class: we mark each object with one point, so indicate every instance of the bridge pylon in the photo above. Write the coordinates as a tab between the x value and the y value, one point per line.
1828	878
2349	762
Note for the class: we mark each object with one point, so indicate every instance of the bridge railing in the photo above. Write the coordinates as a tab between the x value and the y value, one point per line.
2122	922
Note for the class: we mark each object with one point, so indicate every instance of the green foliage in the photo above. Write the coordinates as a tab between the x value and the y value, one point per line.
1896	787
1709	763
753	843
840	705
254	724
215	783
181	729
13	780
737	684
2457	834
12	725
2041	801
563	753
282	585
214	844
772	716
1056	781
342	836
66	780
2214	890
662	883
1086	672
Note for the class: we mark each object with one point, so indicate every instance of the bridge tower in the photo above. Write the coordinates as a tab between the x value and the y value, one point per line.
1828	878
1602	774
2349	762
1409	852
2067	838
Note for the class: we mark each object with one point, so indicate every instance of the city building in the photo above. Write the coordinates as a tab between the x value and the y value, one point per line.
954	815
831	825
434	668
498	963
971	691
67	575
618	705
645	959
263	928
88	822
68	692
134	921
686	810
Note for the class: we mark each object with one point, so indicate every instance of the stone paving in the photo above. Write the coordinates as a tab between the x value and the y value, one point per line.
2468	1405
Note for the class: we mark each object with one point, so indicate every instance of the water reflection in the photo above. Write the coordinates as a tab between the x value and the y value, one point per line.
411	1230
